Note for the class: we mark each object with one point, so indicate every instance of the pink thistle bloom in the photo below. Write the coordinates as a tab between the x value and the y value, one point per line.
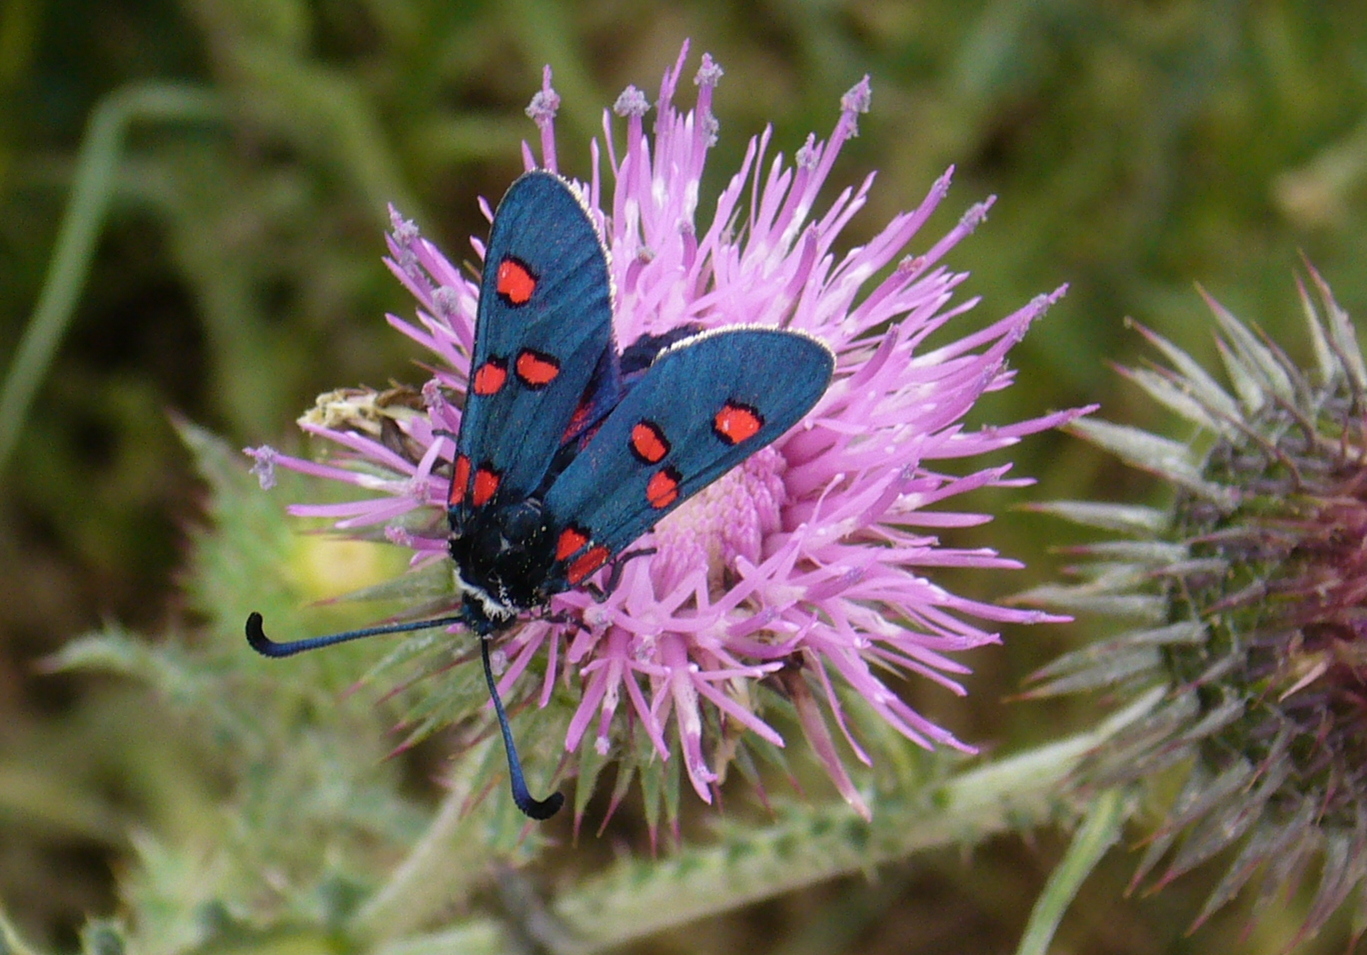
809	566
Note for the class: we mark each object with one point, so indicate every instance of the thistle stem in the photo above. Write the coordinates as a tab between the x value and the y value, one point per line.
448	863
640	897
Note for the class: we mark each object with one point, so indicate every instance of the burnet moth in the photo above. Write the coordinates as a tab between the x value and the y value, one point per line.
569	451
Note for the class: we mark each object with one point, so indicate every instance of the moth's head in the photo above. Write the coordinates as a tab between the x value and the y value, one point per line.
483	612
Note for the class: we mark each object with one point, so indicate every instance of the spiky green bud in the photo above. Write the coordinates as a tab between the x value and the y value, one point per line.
1247	601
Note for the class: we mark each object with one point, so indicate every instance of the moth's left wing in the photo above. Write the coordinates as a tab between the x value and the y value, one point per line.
543	337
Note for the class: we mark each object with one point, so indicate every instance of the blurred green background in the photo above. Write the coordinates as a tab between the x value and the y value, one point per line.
1136	149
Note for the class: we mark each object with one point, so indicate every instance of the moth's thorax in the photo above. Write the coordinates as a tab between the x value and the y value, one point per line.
503	555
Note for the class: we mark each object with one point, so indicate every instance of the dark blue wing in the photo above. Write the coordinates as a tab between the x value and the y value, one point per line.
543	334
704	405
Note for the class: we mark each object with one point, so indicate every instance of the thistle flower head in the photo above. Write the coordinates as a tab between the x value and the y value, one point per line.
1247	602
806	572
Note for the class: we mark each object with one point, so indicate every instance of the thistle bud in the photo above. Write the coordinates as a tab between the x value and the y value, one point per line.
1246	602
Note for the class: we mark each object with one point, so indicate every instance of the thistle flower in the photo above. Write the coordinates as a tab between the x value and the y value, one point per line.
1244	601
796	576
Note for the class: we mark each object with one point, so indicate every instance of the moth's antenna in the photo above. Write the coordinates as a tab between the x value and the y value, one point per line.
535	808
267	647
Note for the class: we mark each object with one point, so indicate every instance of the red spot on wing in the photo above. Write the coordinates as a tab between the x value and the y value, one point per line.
571	539
460	480
592	559
735	422
516	283
663	489
486	486
578	421
536	369
490	376
648	442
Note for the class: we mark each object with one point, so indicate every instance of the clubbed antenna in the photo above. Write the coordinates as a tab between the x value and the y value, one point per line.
267	647
535	808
